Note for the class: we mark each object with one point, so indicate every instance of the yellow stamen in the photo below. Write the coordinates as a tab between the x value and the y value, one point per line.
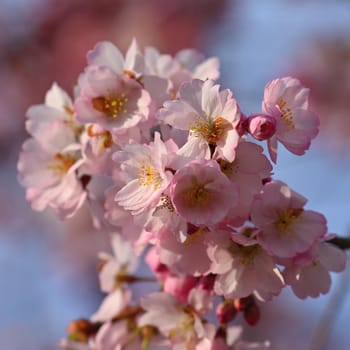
197	195
149	176
112	105
211	130
106	136
248	253
286	114
287	219
62	163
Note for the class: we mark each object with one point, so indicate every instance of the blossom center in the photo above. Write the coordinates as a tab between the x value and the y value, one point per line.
112	105
228	168
197	195
248	253
211	130
287	218
149	176
286	113
62	163
105	136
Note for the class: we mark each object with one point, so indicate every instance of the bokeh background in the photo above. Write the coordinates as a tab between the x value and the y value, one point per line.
48	270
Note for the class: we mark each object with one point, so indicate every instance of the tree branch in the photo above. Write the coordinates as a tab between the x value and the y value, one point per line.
341	242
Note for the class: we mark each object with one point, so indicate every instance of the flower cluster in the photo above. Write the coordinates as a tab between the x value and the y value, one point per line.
182	180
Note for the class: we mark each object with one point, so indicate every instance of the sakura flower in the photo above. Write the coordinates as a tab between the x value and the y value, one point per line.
201	193
243	270
178	257
285	227
286	100
210	116
308	273
116	102
58	108
179	323
247	171
115	268
145	167
47	168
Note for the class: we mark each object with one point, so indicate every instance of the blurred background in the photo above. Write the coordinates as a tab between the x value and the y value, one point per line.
48	268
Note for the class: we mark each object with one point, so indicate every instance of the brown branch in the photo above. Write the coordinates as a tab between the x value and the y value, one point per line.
341	242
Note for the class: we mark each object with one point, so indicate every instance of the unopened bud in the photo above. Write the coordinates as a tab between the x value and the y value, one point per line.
225	312
252	314
80	330
261	126
242	303
242	126
207	282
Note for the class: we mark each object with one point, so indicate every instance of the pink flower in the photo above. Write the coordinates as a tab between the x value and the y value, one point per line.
261	126
144	167
114	101
180	324
286	229
210	116
247	171
308	273
201	193
287	101
243	270
47	168
122	263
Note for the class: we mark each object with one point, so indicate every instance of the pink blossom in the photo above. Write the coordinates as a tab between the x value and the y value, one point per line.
116	102
122	263
210	116
308	273
178	257
145	168
47	168
179	323
287	101
201	193
247	171
243	270
285	227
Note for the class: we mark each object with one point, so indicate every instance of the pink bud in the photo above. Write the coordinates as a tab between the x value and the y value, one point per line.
261	126
242	126
252	314
207	282
225	312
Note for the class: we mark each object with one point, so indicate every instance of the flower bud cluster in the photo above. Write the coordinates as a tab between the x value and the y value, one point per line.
180	178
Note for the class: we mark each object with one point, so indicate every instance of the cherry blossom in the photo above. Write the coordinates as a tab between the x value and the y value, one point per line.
210	116
286	228
287	101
